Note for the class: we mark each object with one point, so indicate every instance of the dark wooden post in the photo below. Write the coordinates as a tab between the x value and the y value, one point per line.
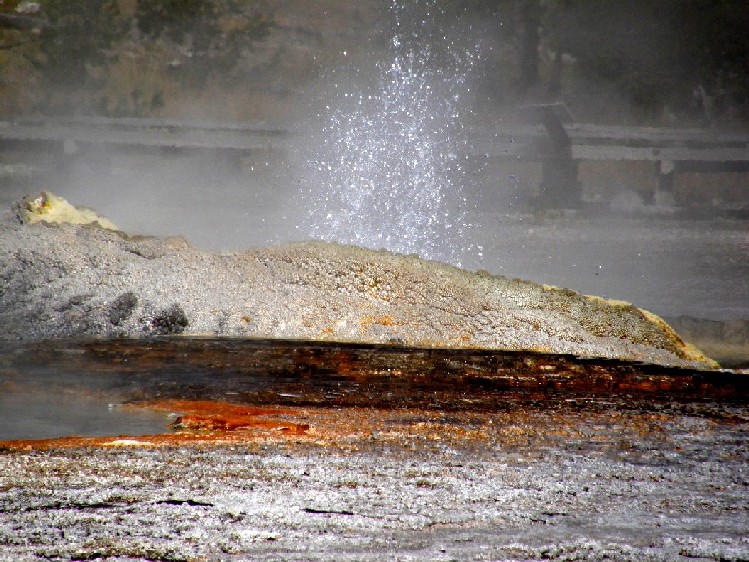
560	187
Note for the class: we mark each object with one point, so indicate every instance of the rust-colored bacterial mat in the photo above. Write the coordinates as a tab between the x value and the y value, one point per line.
223	391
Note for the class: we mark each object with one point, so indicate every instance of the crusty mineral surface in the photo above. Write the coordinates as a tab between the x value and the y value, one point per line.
50	208
71	280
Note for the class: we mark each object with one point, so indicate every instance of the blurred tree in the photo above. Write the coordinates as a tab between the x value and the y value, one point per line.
684	54
78	35
713	49
655	54
64	41
208	36
74	44
688	55
528	59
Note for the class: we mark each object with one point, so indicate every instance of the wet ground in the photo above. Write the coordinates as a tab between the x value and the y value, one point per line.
308	451
223	451
48	385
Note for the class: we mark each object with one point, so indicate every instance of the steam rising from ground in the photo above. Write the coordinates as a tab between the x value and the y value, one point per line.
387	170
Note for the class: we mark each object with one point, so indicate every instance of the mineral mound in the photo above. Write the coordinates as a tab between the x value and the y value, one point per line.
64	280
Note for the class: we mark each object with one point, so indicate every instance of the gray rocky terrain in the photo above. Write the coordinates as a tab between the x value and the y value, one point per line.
622	485
559	474
62	280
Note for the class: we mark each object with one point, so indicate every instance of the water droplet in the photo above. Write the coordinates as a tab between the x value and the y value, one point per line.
388	179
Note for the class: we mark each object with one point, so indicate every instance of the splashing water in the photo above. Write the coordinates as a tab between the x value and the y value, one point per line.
387	170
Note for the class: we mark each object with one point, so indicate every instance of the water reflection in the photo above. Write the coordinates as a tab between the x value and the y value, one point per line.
48	390
53	389
31	412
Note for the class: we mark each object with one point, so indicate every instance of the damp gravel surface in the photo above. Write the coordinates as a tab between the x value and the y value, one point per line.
678	490
492	456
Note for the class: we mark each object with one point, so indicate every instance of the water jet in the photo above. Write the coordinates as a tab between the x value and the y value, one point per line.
387	166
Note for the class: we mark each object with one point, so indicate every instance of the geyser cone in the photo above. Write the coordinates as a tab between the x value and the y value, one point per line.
70	280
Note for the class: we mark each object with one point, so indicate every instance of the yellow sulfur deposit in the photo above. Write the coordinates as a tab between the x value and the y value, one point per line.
50	208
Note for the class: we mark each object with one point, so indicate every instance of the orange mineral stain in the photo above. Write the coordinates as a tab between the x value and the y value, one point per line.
216	424
197	422
209	415
338	395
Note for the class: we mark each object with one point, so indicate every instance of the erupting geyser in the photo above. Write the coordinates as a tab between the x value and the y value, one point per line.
387	168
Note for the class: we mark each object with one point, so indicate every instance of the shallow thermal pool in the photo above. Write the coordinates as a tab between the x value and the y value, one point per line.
89	388
289	450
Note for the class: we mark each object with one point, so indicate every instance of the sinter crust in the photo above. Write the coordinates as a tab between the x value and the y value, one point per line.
89	279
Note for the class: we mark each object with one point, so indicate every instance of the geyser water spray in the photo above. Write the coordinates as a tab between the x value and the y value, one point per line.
388	164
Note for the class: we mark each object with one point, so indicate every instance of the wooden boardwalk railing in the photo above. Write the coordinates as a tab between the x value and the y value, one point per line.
557	142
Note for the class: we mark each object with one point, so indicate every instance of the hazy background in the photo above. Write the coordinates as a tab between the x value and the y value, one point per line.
294	64
635	62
